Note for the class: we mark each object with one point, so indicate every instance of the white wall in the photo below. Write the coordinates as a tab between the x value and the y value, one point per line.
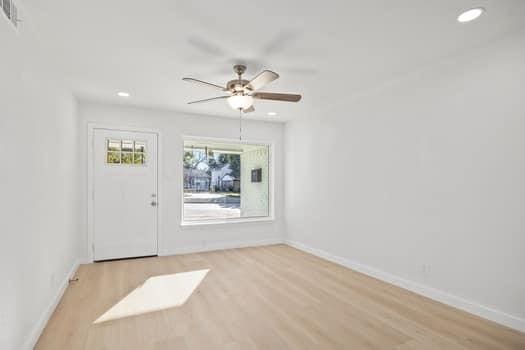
39	187
174	238
428	177
255	195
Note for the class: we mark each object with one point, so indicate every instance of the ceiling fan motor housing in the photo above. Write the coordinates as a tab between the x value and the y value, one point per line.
236	86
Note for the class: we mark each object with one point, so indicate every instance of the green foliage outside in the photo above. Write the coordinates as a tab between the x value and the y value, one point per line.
211	162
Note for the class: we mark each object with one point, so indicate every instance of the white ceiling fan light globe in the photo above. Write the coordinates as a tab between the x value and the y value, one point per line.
240	101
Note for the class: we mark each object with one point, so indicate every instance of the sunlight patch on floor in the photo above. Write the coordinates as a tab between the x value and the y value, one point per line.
156	293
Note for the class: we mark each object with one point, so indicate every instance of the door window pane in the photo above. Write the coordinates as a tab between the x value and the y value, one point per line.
113	145
139	158
127	158
127	146
128	152
113	157
140	146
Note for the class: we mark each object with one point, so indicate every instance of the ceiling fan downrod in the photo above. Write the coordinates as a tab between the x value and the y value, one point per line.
240	69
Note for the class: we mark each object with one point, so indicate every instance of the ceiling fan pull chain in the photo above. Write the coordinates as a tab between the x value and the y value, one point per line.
240	124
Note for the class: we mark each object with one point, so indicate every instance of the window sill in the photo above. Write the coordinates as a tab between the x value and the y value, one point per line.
225	221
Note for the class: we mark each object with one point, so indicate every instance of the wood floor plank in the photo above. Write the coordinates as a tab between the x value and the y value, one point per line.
273	297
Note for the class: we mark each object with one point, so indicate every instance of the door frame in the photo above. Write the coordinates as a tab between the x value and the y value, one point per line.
91	127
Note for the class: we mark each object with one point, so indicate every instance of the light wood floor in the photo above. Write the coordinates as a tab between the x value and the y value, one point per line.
273	297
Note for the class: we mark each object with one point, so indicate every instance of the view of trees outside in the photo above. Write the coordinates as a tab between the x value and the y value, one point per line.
220	166
212	188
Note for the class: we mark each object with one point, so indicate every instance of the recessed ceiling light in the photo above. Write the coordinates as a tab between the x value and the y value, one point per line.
471	14
123	94
272	114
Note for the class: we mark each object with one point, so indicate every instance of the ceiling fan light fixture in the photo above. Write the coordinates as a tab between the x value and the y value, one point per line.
240	101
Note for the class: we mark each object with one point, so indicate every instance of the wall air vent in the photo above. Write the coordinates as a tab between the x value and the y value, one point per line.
6	5
10	10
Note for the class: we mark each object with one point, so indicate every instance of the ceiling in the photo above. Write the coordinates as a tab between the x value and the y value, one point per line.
323	50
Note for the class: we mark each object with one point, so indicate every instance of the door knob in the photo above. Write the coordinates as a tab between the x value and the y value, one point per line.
153	204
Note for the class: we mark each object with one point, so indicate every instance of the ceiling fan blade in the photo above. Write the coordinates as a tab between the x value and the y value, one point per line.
249	110
192	80
208	99
264	78
277	97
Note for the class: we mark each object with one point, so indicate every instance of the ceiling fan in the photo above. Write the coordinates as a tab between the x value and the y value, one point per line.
241	93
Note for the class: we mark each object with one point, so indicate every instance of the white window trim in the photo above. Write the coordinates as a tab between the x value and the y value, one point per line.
271	183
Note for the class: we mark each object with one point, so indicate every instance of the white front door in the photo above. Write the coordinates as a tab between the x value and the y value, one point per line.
124	169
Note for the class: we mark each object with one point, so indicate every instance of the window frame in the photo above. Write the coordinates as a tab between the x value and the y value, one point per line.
271	181
133	152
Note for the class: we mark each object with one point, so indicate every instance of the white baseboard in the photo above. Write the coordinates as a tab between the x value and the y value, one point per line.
488	313
222	246
46	315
